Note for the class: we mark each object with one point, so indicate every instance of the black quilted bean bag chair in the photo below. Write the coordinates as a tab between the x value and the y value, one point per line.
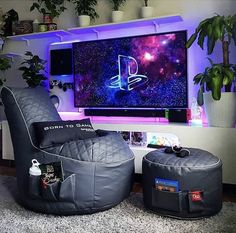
98	171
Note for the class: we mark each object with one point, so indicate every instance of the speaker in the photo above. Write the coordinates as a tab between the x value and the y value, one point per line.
61	62
179	115
125	112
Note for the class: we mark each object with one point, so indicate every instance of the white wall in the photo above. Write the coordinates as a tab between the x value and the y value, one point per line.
190	9
192	12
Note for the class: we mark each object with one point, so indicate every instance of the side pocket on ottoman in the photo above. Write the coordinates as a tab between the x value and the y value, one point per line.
166	200
196	201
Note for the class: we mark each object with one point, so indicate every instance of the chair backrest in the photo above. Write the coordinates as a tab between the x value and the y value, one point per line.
23	106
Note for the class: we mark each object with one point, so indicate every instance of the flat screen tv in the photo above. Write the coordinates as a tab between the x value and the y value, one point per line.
148	71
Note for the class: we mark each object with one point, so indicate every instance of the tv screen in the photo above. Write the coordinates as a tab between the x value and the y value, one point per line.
148	71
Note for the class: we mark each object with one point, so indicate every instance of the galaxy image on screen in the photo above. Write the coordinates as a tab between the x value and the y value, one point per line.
147	71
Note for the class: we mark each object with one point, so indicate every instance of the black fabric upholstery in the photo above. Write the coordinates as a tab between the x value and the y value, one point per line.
98	171
51	133
107	149
201	171
34	106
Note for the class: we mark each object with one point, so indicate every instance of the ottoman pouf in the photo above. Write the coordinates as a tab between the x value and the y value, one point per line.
189	187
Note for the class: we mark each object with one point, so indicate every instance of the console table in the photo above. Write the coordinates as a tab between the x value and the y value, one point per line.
218	141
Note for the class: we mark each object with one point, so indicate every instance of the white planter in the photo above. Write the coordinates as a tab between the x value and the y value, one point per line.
84	20
221	113
117	16
146	12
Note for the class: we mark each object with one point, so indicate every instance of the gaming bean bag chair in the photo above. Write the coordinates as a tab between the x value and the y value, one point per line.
98	170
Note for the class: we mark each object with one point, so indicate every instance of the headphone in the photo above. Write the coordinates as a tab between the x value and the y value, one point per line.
179	151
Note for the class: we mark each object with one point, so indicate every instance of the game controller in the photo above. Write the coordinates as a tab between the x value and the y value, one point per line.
179	151
183	153
168	150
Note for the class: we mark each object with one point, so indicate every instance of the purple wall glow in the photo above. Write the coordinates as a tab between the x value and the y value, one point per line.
195	56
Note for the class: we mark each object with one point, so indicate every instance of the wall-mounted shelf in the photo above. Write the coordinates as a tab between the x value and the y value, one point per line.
99	28
11	55
156	22
39	35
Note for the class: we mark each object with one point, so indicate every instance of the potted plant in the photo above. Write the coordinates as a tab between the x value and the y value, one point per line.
218	77
8	21
146	11
33	70
85	11
117	15
5	64
49	8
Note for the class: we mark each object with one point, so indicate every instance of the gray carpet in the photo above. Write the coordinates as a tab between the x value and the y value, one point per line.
129	216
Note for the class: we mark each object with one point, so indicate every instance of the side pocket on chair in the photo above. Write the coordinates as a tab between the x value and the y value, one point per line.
50	191
34	187
166	200
67	190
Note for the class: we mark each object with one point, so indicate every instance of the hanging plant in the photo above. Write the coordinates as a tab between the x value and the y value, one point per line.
33	70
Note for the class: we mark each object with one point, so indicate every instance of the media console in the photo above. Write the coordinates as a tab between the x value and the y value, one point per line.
218	141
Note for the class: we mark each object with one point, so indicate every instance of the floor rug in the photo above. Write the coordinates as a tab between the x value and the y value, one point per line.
128	216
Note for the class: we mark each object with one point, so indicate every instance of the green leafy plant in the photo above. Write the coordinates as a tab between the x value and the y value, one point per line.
212	30
33	69
5	64
117	4
86	7
53	7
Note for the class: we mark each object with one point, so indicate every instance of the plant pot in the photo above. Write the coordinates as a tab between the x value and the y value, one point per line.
117	16
84	20
146	12
221	113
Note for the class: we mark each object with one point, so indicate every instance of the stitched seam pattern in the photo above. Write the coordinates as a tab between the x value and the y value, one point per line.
13	95
164	165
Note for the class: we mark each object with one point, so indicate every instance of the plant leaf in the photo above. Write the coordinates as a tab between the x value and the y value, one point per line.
197	78
200	100
201	38
226	80
210	60
35	5
216	84
191	40
210	45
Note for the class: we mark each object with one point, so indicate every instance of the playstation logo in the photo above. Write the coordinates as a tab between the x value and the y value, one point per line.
128	77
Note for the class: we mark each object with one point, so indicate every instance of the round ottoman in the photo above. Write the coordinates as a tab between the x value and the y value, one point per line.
189	187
